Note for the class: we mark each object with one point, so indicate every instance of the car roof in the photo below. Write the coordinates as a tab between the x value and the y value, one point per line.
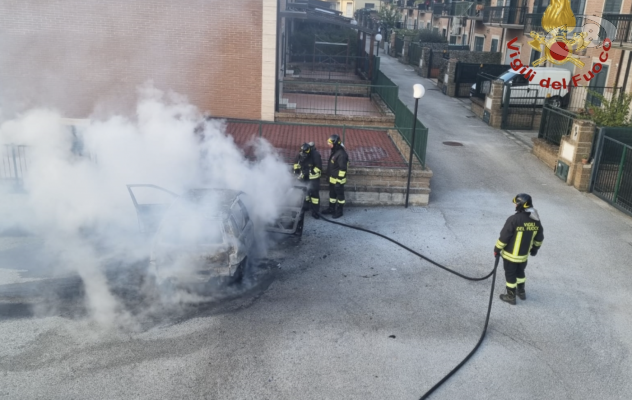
221	198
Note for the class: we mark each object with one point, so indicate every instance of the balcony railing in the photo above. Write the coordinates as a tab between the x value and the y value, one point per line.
623	23
504	15
533	22
459	9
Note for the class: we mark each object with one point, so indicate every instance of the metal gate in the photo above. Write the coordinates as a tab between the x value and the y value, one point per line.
612	175
555	123
520	106
465	75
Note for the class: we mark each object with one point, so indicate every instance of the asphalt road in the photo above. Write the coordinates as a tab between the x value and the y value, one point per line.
347	315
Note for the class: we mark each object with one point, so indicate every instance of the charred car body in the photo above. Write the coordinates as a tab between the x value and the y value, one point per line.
208	233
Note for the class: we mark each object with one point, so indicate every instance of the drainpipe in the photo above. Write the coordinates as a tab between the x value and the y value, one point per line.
627	71
276	61
502	43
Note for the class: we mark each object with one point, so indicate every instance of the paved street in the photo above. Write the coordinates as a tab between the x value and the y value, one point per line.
351	316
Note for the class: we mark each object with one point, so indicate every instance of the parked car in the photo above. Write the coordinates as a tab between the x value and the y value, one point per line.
207	233
530	93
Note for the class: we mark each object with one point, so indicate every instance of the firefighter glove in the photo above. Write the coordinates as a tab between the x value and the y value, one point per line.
534	251
496	252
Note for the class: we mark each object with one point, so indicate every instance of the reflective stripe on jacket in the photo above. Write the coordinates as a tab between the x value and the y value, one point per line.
337	166
518	236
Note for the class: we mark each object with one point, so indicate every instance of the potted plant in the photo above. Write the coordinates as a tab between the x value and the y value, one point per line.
584	158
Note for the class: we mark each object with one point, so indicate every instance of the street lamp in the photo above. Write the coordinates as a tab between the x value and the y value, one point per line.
418	93
378	38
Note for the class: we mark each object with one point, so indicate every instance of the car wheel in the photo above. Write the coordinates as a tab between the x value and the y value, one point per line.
238	276
556	101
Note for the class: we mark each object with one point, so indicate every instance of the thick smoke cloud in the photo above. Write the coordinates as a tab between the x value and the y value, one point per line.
77	198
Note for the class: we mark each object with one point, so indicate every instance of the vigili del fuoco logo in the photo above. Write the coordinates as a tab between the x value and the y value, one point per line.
558	46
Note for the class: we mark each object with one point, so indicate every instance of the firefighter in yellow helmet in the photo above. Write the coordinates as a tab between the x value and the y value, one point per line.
337	171
309	167
522	235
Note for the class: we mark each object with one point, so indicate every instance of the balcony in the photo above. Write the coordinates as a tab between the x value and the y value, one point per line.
505	17
623	34
459	9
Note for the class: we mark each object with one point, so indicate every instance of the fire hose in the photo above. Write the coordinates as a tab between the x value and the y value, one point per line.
489	306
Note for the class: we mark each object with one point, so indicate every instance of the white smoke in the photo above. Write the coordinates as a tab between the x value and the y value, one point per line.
76	181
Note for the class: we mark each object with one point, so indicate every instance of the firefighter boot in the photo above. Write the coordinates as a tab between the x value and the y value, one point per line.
315	210
521	293
338	212
510	297
330	210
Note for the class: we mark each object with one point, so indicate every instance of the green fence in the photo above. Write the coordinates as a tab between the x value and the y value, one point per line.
555	123
403	117
612	174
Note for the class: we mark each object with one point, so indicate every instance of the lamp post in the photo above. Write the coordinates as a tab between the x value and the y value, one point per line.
418	93
378	38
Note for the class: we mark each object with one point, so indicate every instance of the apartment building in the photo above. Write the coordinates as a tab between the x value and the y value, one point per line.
78	56
490	25
349	7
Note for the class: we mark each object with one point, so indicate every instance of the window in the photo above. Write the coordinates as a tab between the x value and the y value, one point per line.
534	56
464	42
452	39
478	43
445	32
520	80
494	48
369	5
612	6
428	25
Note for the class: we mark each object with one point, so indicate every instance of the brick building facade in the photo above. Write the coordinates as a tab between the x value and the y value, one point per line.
87	56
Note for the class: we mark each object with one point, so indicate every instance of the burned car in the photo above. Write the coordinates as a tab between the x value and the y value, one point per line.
208	233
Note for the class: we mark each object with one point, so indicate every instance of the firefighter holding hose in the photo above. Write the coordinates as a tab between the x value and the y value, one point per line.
521	236
309	167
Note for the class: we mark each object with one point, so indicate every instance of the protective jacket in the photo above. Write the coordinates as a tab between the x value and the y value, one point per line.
521	232
310	167
337	166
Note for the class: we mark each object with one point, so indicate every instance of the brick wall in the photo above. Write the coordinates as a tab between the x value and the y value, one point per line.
85	55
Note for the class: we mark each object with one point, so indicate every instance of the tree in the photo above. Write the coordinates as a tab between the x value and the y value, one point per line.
389	15
429	36
615	112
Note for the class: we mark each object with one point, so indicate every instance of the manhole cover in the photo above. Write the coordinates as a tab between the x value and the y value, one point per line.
453	144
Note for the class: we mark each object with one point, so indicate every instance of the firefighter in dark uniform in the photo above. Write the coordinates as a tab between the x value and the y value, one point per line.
522	235
337	171
309	167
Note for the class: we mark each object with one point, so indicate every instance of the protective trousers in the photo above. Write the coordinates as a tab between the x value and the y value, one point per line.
313	194
336	194
514	273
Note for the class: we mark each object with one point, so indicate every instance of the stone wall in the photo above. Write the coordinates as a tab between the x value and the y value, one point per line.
386	121
546	152
382	186
573	148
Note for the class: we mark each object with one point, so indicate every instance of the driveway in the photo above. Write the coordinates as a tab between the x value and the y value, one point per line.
351	316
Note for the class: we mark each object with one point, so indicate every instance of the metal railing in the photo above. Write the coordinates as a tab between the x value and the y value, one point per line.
504	15
580	98
533	22
323	66
623	22
555	124
329	98
14	163
403	118
611	178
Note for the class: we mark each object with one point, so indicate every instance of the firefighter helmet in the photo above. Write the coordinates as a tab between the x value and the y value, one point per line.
522	201
306	148
334	139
